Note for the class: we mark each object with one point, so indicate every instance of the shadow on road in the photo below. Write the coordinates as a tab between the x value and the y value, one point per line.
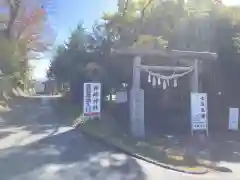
58	155
66	156
27	112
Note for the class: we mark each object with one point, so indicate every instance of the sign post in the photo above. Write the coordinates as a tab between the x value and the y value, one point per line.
199	112
233	119
92	100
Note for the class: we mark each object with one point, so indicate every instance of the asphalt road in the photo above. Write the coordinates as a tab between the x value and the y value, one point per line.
35	146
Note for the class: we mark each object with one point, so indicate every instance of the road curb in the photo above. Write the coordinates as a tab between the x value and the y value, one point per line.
138	156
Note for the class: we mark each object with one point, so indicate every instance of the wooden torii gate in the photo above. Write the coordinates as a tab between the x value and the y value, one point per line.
137	94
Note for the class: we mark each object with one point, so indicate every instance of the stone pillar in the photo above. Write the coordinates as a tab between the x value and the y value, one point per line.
137	102
195	77
136	73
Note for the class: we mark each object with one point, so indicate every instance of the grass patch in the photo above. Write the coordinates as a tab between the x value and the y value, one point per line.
66	108
108	129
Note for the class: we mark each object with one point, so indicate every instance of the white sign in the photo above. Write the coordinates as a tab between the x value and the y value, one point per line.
92	99
233	119
137	112
199	111
121	97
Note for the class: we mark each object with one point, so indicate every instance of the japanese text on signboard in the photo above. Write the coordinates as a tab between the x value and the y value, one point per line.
92	99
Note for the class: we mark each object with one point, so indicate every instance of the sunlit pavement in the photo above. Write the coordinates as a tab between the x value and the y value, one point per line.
35	146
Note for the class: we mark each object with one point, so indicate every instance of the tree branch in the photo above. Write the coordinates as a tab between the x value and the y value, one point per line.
27	21
144	9
14	8
139	28
125	7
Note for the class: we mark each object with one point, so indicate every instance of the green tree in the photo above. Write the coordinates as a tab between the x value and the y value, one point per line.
78	60
196	25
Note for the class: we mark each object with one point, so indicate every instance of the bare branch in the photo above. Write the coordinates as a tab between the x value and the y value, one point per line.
14	7
144	9
139	28
125	7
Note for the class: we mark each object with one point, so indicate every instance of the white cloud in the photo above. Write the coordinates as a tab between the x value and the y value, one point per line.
231	2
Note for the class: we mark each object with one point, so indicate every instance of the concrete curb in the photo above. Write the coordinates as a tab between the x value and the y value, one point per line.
138	156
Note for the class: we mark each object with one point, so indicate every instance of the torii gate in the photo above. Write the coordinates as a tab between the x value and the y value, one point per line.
137	94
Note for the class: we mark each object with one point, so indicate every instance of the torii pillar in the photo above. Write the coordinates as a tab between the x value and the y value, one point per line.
194	83
137	101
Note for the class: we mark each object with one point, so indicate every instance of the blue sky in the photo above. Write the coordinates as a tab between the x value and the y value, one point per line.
66	14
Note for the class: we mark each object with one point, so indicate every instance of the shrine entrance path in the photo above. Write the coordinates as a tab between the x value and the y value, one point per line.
36	144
